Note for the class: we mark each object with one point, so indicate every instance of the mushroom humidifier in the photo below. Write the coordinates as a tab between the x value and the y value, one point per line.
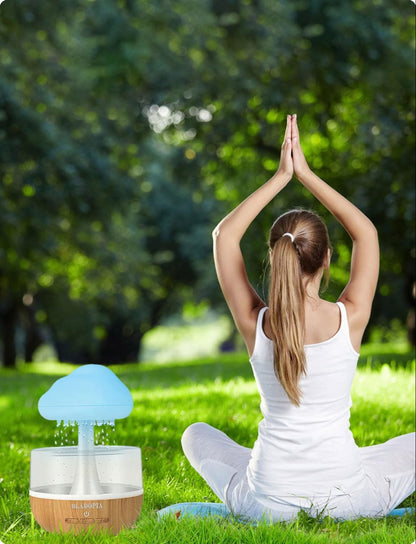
75	488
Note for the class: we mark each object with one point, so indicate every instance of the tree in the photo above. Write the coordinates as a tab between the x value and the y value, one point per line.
128	128
348	70
77	236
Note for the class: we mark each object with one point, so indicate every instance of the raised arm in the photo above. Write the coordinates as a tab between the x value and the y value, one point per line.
359	292
242	299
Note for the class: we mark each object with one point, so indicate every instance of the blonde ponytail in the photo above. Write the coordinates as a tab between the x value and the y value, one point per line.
287	317
299	244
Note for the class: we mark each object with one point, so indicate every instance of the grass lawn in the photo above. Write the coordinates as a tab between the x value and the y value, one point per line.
167	398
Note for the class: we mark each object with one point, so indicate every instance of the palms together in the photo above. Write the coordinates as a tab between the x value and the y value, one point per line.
292	159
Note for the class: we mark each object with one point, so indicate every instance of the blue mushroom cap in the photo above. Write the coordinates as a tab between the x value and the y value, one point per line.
90	393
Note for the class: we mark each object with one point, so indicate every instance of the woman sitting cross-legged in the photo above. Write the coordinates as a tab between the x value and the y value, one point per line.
303	351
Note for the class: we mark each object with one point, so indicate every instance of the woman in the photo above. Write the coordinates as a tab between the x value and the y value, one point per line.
303	351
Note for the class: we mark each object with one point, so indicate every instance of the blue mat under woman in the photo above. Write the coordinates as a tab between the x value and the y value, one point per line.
303	351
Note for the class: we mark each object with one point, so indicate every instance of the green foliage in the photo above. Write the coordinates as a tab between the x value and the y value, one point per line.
128	128
103	247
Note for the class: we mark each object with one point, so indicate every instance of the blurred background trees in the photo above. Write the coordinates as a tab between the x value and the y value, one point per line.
129	127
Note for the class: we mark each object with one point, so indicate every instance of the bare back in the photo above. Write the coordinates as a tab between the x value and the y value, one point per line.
322	322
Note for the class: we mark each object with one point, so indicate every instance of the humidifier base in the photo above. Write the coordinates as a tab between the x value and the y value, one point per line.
91	513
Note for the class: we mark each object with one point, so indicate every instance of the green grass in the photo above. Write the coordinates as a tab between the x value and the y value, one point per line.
167	398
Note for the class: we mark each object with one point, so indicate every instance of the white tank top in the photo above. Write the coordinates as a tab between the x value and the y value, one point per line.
306	451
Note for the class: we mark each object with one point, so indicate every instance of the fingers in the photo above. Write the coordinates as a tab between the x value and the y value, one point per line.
288	132
294	127
287	140
286	163
287	147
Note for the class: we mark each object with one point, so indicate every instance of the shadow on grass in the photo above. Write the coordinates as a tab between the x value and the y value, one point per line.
376	355
224	367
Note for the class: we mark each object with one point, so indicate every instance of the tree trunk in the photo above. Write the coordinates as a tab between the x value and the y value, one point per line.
33	338
68	354
411	297
8	332
121	345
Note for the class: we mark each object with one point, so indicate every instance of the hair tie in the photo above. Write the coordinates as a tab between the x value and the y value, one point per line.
290	236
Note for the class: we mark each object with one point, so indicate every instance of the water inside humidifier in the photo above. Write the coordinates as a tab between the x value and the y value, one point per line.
61	470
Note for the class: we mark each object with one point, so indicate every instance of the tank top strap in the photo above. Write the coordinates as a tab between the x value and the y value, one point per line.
259	326
344	318
344	329
344	326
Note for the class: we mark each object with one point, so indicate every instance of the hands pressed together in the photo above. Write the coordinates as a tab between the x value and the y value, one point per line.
292	159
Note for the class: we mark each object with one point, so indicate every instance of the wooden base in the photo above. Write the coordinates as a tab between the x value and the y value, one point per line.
80	515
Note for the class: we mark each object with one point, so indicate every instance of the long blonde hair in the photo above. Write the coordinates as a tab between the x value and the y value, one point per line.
290	262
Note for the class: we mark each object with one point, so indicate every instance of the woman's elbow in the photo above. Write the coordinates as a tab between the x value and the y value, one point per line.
219	232
216	232
372	230
368	230
369	236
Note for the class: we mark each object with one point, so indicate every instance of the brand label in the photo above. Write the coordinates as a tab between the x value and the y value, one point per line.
87	506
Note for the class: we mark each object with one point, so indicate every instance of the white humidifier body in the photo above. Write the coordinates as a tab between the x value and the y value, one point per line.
86	487
98	490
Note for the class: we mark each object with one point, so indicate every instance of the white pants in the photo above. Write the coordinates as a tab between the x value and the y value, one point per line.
389	468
